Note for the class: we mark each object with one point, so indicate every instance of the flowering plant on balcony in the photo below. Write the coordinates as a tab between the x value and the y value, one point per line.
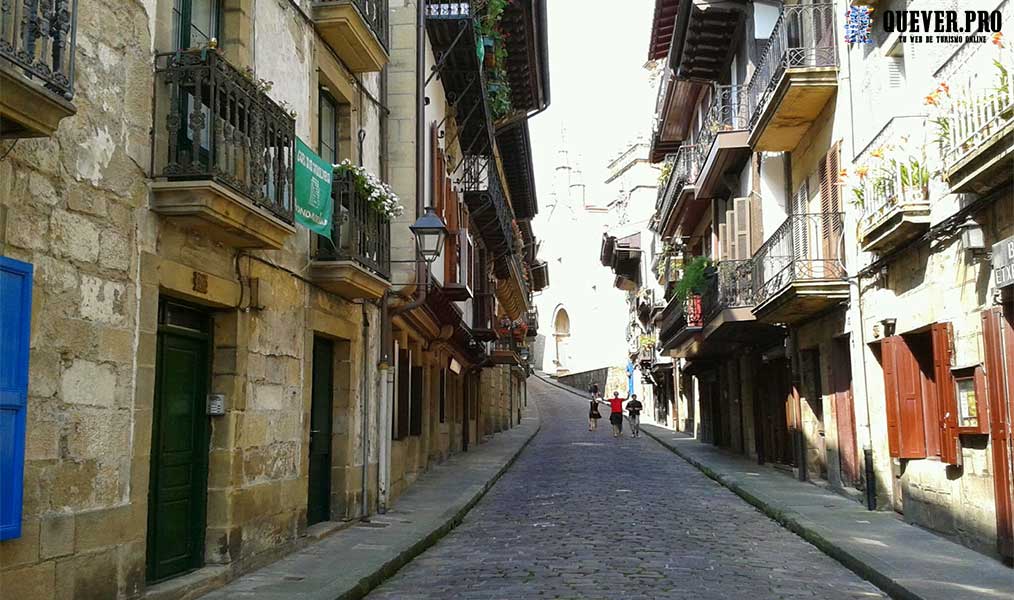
892	172
378	194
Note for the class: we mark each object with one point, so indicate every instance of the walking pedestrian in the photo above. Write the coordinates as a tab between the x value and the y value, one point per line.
616	414
593	414
634	413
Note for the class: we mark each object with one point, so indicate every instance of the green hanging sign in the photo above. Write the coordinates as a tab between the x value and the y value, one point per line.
314	206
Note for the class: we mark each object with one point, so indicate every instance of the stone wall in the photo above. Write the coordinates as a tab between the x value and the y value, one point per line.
609	379
955	501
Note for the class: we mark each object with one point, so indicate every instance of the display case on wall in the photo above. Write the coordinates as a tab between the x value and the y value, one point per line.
970	400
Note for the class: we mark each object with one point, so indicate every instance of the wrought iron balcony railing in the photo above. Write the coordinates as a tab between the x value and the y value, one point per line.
679	316
38	38
359	231
804	36
375	13
804	247
731	287
220	126
729	111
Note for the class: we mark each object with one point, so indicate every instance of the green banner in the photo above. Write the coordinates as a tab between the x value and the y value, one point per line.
314	206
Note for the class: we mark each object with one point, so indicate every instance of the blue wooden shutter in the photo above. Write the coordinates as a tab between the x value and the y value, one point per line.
15	319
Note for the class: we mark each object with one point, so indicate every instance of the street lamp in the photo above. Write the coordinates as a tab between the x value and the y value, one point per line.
429	231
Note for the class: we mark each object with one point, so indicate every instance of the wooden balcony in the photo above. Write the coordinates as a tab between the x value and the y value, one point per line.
505	352
37	47
799	271
356	261
701	48
722	145
894	209
796	76
978	141
357	30
223	152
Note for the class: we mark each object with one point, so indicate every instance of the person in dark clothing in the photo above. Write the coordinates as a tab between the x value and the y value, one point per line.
593	390
634	414
593	414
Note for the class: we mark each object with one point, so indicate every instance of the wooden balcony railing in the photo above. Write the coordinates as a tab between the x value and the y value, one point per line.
803	36
219	125
804	247
360	232
38	38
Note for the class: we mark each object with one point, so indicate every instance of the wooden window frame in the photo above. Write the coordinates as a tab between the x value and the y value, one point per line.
324	96
978	376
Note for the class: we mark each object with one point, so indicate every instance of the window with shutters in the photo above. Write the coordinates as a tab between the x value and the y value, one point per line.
15	321
918	390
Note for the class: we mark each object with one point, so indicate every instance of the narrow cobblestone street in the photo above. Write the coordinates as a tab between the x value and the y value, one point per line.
583	515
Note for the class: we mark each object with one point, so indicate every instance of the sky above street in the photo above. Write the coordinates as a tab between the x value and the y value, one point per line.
601	95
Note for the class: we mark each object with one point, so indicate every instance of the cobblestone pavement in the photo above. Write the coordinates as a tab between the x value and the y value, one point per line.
584	515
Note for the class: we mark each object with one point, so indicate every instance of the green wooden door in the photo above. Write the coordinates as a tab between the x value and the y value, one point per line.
318	507
179	456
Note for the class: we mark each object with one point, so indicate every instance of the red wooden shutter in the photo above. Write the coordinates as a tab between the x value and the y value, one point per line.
946	402
889	351
911	421
996	333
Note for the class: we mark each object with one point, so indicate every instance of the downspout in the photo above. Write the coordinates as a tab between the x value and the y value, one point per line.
869	470
364	419
385	410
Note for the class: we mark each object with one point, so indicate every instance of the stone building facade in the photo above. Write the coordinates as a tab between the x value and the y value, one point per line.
828	224
206	382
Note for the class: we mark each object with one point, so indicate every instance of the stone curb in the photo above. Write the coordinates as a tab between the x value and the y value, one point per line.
388	569
791	520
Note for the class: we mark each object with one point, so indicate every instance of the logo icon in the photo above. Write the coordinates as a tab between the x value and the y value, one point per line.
858	24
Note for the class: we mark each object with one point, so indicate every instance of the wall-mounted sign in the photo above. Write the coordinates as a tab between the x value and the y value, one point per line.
1003	262
314	207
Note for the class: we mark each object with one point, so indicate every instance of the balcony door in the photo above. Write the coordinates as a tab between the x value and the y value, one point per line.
195	23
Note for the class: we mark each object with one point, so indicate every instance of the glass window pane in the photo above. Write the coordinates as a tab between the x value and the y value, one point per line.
202	21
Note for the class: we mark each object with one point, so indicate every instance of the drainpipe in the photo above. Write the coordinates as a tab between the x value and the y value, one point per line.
385	410
364	419
871	475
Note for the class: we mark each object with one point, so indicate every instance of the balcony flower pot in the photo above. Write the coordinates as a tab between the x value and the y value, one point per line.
489	55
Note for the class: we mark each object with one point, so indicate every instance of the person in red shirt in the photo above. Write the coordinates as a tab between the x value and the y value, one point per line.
616	414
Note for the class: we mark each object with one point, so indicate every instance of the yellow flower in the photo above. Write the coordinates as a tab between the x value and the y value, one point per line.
877	152
998	39
862	171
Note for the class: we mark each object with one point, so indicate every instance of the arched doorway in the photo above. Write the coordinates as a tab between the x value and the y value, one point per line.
561	334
